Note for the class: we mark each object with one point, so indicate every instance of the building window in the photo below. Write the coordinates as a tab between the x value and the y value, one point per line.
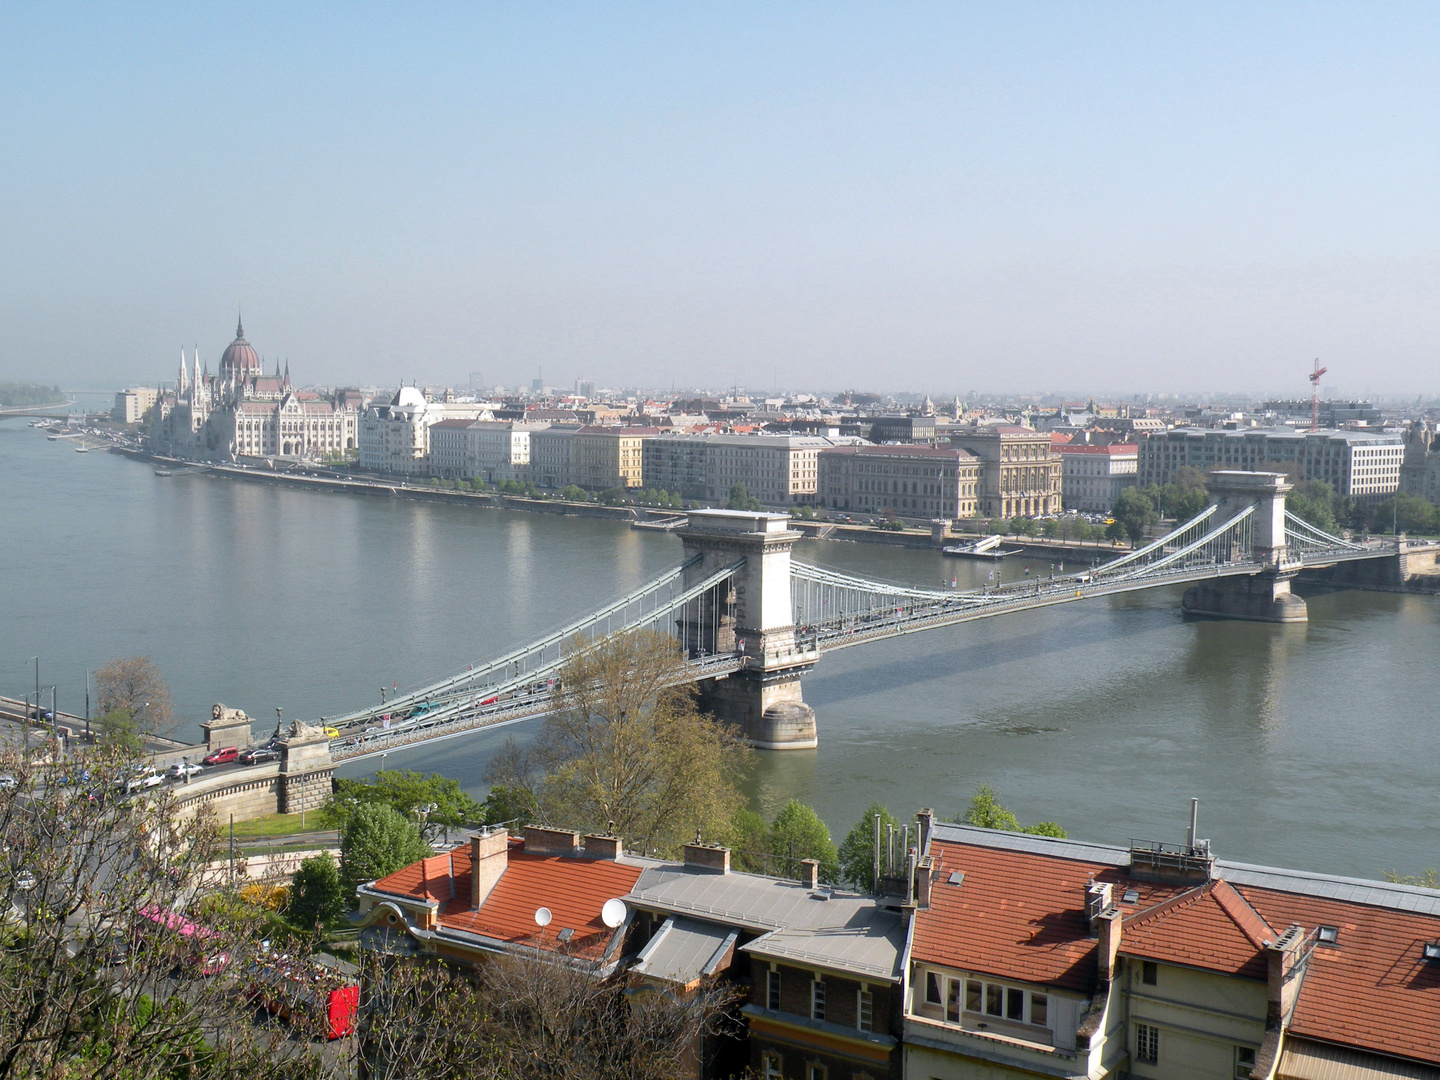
994	999
815	1071
1329	935
770	1066
1149	972
1040	1010
974	994
1147	1044
1015	1005
865	1011
772	990
817	999
1244	1062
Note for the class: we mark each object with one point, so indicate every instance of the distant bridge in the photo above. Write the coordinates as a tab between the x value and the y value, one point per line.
751	621
58	410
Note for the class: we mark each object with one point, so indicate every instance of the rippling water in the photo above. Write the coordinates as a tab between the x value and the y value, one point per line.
1310	746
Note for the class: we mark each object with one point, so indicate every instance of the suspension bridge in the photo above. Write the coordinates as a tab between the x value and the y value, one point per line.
751	621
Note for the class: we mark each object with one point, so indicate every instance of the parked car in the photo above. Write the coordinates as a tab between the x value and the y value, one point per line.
182	770
7	782
223	756
259	755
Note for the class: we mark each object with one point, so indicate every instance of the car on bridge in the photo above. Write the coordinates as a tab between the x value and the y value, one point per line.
146	776
224	756
182	770
259	755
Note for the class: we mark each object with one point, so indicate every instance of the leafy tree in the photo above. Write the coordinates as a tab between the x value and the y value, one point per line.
1407	514
403	790
317	899
741	499
117	728
1314	502
135	685
857	850
1136	512
376	841
1427	879
749	840
798	833
987	812
508	804
626	748
1115	531
1054	528
1022	526
574	493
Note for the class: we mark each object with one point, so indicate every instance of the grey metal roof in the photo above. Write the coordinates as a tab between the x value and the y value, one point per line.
1329	886
836	930
685	949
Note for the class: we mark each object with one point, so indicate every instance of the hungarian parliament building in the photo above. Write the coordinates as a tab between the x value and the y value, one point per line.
240	412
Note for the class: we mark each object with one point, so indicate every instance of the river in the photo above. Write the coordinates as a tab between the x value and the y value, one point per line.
1309	746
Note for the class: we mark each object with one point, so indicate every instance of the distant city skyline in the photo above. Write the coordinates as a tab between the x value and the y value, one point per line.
1108	199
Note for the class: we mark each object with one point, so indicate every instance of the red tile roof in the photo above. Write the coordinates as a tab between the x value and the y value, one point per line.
573	889
1112	449
1016	914
1210	927
1373	988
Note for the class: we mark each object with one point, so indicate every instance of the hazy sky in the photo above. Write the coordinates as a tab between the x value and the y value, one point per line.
1081	197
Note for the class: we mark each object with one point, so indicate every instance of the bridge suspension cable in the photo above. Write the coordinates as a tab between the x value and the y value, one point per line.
652	604
1307	538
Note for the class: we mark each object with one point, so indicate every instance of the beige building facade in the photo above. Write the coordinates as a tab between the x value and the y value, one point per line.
609	457
910	481
1019	475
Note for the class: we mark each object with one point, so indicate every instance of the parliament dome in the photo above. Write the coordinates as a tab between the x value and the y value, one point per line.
239	359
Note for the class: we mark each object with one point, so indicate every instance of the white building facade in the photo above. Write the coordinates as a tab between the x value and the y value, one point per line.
1092	477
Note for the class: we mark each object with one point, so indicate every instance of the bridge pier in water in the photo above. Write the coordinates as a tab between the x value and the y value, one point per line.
1262	597
763	698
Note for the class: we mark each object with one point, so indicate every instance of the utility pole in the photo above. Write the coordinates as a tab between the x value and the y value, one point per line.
87	705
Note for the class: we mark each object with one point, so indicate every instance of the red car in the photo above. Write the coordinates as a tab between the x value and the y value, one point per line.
223	756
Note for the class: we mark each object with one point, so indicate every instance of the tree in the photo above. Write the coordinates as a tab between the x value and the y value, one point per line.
317	899
376	841
99	979
135	685
1136	512
1407	514
1115	531
1314	502
404	791
749	841
987	812
117	728
741	499
627	749
798	833
857	850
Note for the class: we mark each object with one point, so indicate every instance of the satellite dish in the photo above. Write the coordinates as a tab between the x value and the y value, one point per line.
542	916
613	913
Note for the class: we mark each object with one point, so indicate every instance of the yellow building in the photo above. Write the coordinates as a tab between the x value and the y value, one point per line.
610	457
1019	474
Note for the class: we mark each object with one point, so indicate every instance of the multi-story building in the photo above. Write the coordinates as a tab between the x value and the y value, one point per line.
395	437
552	455
679	464
779	470
914	481
1092	477
1039	957
1420	468
1019	475
493	451
609	457
1362	465
132	405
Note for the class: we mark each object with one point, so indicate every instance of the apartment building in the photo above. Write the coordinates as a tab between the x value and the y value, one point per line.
395	437
1362	465
490	450
914	481
132	405
1092	477
779	470
552	455
609	457
1035	956
1019	475
1420	467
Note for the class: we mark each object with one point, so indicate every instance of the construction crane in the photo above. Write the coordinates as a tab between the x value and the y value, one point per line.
1315	395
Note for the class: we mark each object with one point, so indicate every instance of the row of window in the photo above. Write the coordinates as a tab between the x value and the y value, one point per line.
1146	1051
864	1000
985	998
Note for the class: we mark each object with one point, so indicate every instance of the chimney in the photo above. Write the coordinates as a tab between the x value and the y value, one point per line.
708	857
602	847
489	853
810	873
924	880
540	840
1107	948
926	819
1097	899
1281	957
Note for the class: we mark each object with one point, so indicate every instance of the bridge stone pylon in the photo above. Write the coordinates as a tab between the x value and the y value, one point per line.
762	699
1261	597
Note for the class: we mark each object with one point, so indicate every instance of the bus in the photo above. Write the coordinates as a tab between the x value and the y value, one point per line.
202	953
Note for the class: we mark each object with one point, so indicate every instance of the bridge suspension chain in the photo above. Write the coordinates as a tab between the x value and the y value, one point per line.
1300	534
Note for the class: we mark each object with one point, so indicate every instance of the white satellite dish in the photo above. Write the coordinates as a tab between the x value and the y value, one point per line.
542	916
613	913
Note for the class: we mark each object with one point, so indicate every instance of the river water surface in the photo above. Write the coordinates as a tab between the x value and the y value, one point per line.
1309	746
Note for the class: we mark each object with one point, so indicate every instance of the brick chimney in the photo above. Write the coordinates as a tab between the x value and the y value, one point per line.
540	840
1108	923
926	820
810	873
1281	987
708	857
602	847
489	853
